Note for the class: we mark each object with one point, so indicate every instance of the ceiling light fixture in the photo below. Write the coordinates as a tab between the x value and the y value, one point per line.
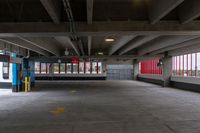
100	53
109	40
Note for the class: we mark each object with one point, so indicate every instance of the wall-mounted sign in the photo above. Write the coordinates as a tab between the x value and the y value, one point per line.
16	60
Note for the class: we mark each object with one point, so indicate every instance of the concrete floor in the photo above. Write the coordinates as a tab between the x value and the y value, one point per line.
100	107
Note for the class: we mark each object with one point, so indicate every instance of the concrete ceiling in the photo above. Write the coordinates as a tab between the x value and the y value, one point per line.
138	27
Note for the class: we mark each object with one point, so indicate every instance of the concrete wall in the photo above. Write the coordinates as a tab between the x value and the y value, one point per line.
189	80
185	83
155	79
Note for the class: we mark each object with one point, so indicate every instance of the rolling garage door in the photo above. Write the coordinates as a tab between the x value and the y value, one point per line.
119	72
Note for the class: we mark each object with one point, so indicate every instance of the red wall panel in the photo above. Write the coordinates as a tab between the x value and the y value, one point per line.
150	67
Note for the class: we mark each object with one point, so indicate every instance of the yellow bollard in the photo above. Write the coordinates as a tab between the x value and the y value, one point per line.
26	84
29	83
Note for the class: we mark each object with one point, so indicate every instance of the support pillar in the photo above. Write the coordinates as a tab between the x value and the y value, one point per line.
32	72
136	70
104	69
16	83
167	70
20	77
29	70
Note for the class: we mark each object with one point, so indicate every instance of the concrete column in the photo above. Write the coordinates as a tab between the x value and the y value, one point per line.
136	70
167	70
51	73
32	72
51	69
20	77
15	73
29	70
104	71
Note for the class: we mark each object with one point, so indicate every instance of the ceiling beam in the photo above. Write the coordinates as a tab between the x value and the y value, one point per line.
163	42
120	43
89	21
129	57
64	40
89	11
121	28
13	48
20	43
79	43
185	50
160	8
140	40
44	43
180	45
53	9
189	10
89	45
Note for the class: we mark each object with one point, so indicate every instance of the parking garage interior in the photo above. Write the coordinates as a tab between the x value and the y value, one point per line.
99	66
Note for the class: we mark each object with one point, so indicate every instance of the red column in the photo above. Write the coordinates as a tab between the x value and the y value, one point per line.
59	68
90	67
155	66
97	67
65	68
151	67
46	68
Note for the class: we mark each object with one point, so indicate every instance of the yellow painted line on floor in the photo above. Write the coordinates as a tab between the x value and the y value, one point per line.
58	110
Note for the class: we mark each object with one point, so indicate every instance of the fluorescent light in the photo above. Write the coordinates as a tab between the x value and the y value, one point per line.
109	40
100	53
